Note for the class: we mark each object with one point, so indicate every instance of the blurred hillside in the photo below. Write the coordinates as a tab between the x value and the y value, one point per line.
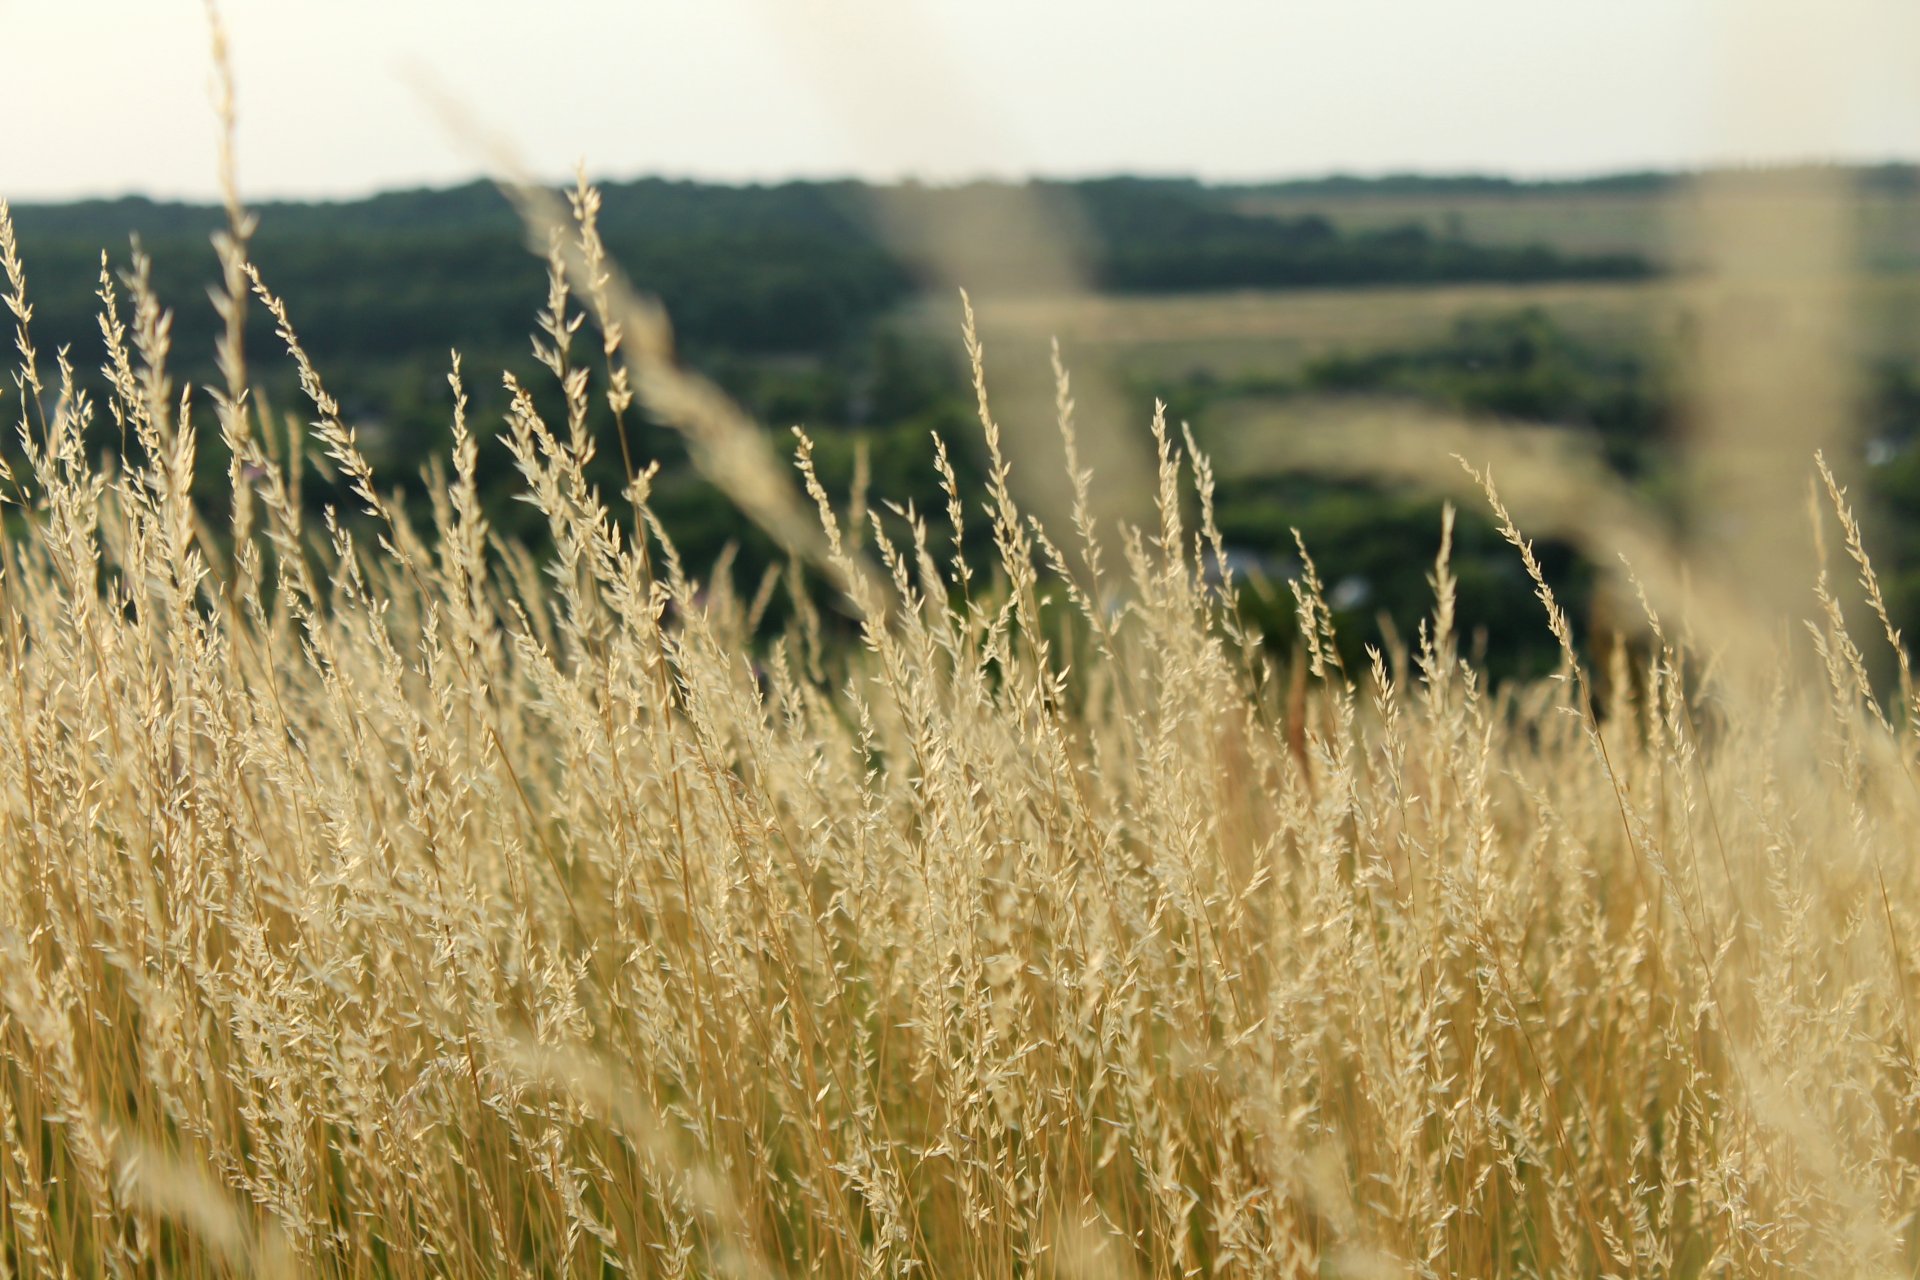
1563	304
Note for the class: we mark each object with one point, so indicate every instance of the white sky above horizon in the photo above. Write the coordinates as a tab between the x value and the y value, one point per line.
113	96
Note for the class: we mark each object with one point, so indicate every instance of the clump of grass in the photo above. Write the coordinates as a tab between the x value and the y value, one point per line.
372	904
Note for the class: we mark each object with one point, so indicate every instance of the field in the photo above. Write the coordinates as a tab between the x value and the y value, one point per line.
1272	333
1594	222
382	898
1583	220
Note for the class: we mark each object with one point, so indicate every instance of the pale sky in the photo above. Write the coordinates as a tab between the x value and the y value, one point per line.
112	96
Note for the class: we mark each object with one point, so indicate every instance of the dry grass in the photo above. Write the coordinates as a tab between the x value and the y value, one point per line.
376	902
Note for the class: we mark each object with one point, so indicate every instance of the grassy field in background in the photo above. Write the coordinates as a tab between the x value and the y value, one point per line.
1272	333
1574	220
1595	222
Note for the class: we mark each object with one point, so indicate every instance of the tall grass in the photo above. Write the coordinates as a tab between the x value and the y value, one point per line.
375	901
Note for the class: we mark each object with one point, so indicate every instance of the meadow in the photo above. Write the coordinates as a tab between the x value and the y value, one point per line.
1273	333
1595	221
380	897
1645	214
